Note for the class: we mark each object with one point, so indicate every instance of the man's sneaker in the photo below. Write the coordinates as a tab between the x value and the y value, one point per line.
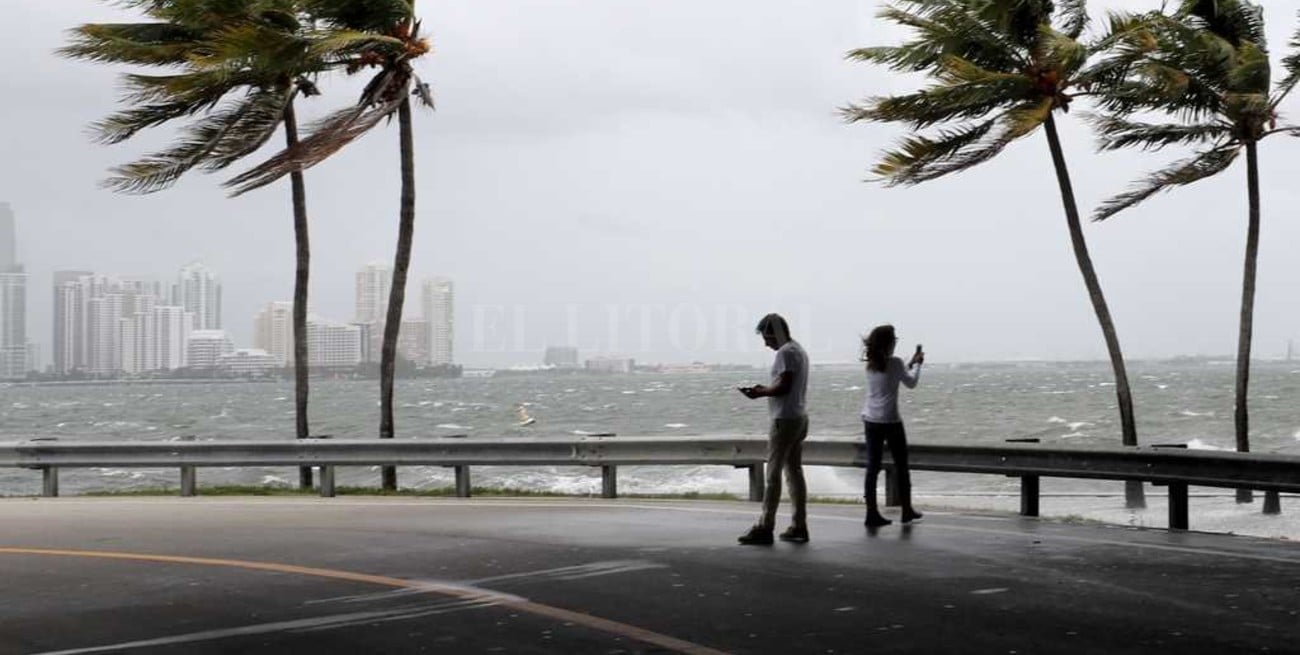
796	535
757	536
876	521
912	516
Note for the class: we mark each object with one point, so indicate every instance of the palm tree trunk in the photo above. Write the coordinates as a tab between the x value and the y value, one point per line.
397	293
1241	419
300	360
1133	489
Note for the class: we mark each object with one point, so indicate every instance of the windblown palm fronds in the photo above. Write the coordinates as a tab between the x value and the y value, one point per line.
1207	67
391	51
233	67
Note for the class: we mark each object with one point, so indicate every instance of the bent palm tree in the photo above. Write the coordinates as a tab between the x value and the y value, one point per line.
999	70
261	48
1206	67
395	45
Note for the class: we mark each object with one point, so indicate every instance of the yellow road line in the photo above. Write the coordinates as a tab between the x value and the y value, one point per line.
579	618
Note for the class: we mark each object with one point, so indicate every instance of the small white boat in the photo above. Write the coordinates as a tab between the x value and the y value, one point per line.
524	419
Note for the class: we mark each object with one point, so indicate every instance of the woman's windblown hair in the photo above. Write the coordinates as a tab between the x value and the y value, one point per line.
877	347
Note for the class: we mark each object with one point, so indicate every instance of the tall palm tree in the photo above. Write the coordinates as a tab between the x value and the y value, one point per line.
998	71
261	53
396	44
1205	68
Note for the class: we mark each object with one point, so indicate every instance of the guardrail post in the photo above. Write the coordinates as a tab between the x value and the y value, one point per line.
326	473
189	475
462	481
50	481
756	483
891	487
326	480
609	479
1029	495
609	482
189	481
1177	505
1029	487
1272	502
1245	496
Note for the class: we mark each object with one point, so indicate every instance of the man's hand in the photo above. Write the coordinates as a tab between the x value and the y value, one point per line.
756	391
918	358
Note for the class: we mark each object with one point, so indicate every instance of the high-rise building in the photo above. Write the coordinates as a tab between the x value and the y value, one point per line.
69	321
438	295
169	326
13	302
8	239
413	342
104	333
199	292
273	331
373	285
13	324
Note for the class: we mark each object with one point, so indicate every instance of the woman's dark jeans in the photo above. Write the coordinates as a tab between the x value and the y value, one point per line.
879	434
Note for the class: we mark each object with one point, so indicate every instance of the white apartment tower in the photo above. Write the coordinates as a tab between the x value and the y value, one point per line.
169	326
438	295
13	325
373	285
69	321
333	344
199	292
273	331
14	360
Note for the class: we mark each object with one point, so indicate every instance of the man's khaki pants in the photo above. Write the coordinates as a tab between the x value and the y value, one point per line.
785	451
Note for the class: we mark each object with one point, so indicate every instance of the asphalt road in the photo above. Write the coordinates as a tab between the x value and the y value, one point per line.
357	575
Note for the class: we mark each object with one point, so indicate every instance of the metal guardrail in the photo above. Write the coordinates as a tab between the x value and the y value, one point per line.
1176	468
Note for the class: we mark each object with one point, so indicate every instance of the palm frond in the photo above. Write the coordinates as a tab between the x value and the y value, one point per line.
1291	63
213	142
965	92
1182	173
920	159
1237	21
369	16
146	44
1114	133
909	162
1072	17
942	28
380	100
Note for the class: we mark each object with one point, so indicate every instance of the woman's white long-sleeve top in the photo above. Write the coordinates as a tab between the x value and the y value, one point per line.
881	403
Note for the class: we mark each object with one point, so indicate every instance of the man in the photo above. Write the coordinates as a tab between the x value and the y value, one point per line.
785	401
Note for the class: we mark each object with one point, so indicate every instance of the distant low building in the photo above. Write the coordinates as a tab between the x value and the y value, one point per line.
610	365
204	347
248	362
561	357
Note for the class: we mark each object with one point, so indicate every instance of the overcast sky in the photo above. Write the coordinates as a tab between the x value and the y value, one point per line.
647	178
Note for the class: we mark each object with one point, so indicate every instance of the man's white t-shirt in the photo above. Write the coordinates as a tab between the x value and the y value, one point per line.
790	358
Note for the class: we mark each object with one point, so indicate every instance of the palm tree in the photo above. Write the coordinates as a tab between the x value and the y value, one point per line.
395	45
998	71
1205	67
262	49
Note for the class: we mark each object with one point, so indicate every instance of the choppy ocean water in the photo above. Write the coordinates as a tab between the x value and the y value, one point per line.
1177	403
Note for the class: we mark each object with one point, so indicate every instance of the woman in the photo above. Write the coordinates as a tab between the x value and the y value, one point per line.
881	420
